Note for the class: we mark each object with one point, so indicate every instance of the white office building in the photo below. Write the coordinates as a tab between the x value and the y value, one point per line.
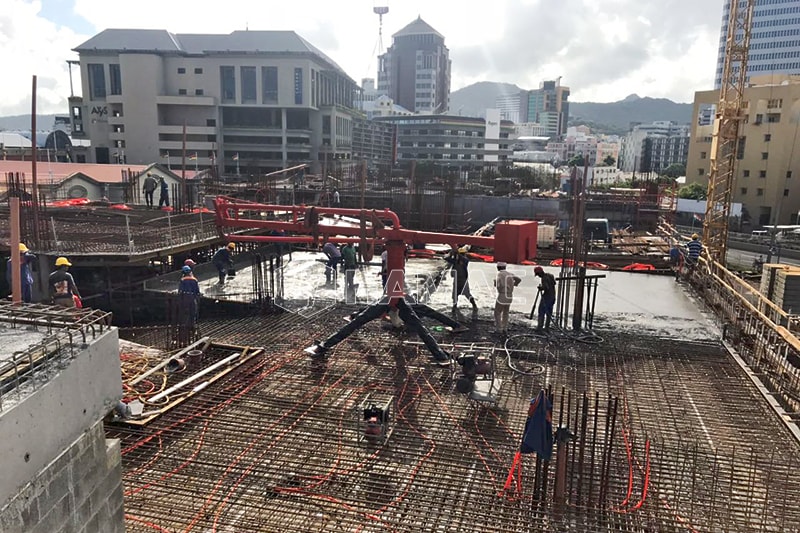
774	39
262	100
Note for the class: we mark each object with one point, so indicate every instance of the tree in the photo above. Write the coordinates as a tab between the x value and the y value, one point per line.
693	191
609	161
576	161
675	170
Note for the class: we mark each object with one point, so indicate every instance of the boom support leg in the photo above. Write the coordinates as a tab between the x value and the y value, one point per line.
409	314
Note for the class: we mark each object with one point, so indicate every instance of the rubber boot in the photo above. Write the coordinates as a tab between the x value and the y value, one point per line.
547	323
540	323
474	305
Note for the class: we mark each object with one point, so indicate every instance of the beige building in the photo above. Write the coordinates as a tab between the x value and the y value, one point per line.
768	171
260	99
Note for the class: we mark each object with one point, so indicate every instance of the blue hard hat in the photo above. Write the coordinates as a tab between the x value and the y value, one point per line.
186	269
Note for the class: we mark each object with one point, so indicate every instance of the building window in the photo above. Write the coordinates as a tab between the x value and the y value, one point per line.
181	70
298	86
198	92
744	190
759	192
788	174
228	78
764	155
198	70
269	85
774	117
762	173
212	122
181	92
767	137
248	84
745	173
759	119
786	192
97	81
114	79
700	172
703	155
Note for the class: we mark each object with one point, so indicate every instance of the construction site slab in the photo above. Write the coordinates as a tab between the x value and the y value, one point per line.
669	433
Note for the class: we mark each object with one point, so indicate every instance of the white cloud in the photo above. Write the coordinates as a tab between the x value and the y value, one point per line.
30	45
603	49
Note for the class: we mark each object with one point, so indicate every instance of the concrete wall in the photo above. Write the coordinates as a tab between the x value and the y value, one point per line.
79	491
46	439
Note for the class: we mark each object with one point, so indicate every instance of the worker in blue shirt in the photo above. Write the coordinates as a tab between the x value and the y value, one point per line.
223	261
676	259
163	199
694	248
26	259
188	303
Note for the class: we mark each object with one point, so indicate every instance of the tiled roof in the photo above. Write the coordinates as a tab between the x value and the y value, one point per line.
61	171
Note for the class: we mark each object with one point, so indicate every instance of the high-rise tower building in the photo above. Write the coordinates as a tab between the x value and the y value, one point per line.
415	70
549	106
774	41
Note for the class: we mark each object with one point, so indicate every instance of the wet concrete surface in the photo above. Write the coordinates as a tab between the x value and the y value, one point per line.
628	302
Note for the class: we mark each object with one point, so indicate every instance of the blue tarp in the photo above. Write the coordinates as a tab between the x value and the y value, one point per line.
538	436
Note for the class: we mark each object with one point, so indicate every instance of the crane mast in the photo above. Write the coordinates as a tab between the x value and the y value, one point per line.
727	121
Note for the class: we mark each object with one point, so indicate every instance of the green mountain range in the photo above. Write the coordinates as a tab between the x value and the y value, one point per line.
612	117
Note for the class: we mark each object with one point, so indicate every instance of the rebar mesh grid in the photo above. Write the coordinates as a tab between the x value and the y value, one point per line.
669	437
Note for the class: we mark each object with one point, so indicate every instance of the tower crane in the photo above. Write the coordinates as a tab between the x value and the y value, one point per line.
727	121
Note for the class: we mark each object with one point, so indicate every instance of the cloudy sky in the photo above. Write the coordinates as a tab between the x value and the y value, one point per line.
603	49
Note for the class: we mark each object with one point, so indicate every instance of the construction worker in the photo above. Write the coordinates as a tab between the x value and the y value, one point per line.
163	199
188	303
676	259
693	248
547	288
27	260
334	256
504	283
223	261
63	290
460	263
350	265
385	268
149	188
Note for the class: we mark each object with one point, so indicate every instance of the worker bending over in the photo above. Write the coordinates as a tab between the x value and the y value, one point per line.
223	261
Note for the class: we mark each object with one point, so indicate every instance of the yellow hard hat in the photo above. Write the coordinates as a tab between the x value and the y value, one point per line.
23	248
231	245
63	261
463	249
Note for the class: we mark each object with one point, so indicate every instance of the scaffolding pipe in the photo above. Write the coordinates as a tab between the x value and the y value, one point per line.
193	378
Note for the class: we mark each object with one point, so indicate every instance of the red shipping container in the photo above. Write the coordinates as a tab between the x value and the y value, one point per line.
515	240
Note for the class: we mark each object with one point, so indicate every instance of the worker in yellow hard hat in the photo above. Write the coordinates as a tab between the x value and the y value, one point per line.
63	290
224	262
27	261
